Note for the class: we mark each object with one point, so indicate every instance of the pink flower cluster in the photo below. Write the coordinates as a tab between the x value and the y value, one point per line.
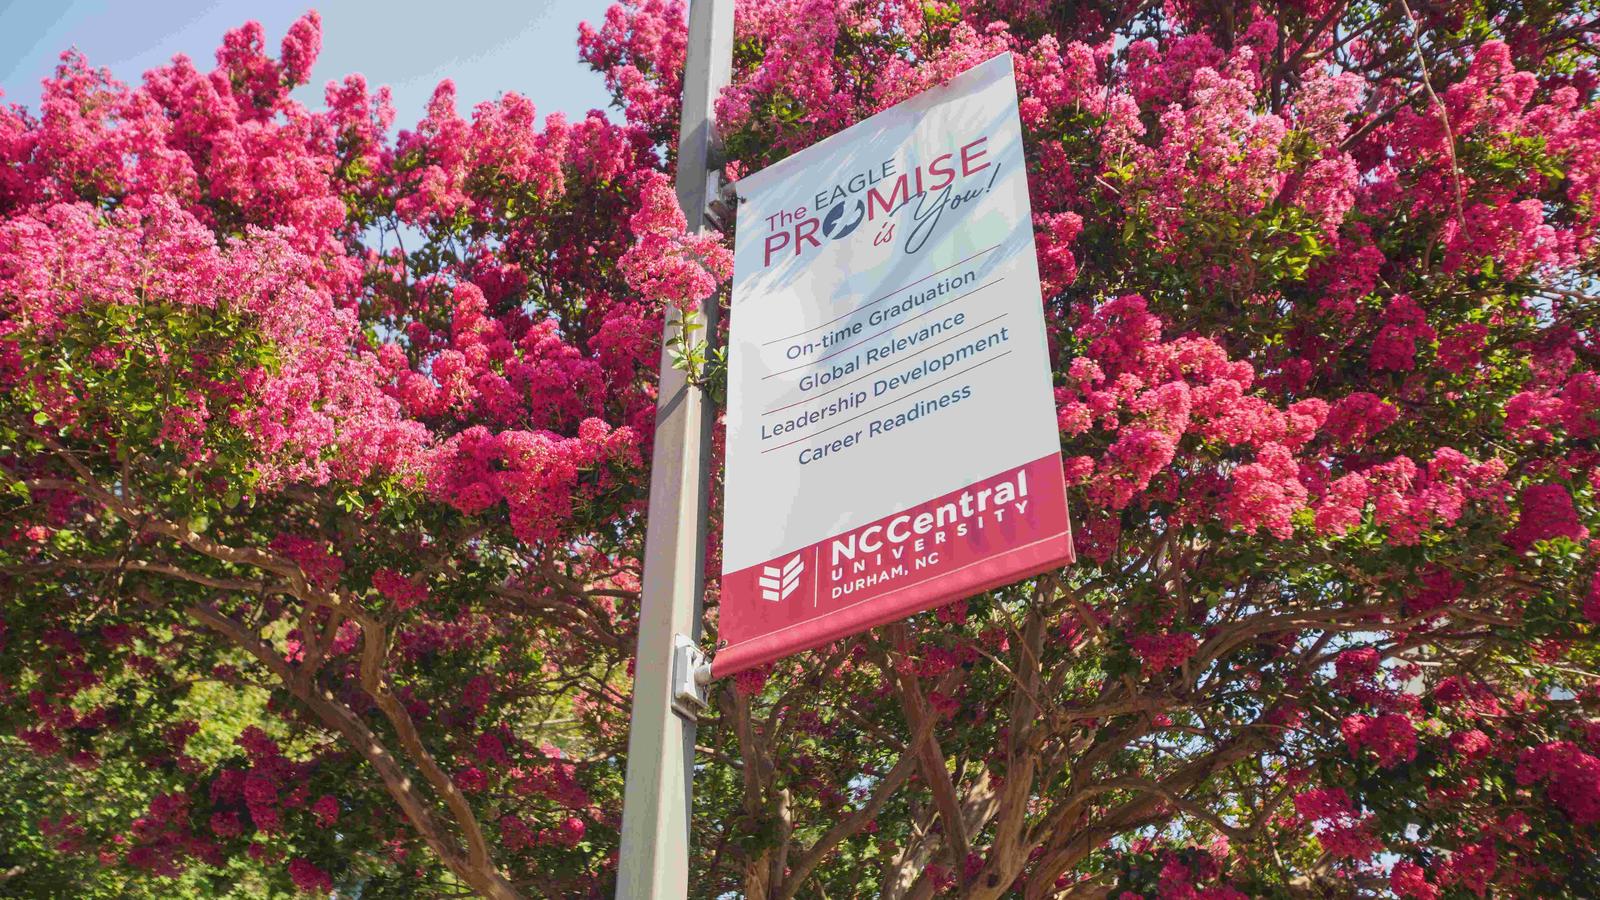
1570	777
1390	737
308	878
267	789
1573	407
314	557
1339	828
1547	512
1407	879
535	473
666	263
640	50
1159	652
404	592
1502	223
317	413
1405	325
1150	394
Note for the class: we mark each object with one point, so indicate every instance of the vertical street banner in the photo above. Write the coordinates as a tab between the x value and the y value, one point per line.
891	428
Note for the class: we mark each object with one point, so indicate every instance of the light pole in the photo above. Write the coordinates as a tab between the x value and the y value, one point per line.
656	809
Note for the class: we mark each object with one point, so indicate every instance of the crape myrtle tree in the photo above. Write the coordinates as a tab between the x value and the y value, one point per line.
346	436
349	428
1319	289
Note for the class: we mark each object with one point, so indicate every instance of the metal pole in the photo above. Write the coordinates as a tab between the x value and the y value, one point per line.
656	806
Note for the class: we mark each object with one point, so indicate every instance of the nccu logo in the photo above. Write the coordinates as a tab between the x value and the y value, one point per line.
777	583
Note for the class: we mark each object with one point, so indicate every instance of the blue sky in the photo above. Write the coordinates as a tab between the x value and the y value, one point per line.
486	46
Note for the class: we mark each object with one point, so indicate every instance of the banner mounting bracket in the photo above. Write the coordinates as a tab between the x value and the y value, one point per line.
691	672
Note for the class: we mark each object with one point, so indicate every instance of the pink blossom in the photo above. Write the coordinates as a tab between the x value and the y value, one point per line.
1358	417
1407	879
226	824
308	878
405	592
1571	778
300	48
1339	828
1471	744
1591	601
1547	512
1390	736
1404	326
1340	508
1160	652
326	809
1266	493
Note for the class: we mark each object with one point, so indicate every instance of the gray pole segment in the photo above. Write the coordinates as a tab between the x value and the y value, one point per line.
654	863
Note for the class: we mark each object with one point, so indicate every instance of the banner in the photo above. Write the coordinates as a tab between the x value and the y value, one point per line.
891	427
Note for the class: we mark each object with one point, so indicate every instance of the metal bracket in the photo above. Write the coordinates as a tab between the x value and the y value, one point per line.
722	200
691	672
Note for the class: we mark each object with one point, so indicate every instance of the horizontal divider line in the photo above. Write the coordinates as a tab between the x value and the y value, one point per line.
890	403
866	375
872	337
880	299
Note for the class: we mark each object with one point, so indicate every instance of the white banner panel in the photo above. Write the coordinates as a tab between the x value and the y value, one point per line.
891	428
